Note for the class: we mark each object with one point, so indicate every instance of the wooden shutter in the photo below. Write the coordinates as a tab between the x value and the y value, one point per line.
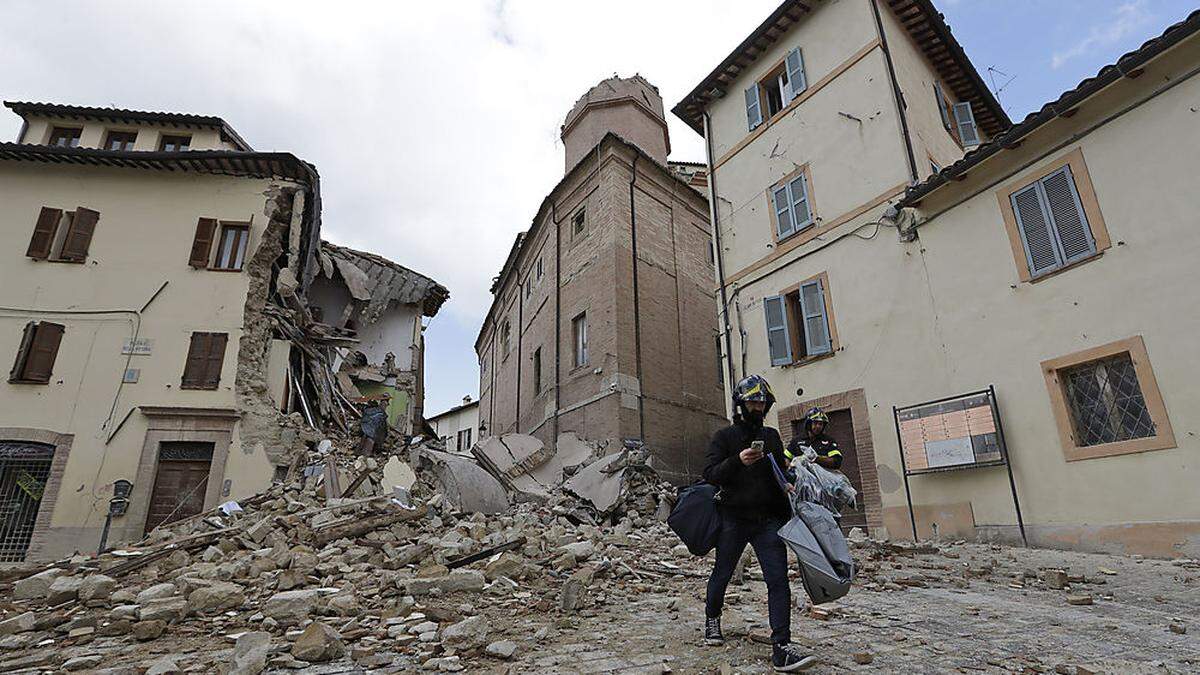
79	234
779	342
215	359
799	195
941	104
43	351
18	370
206	229
783	212
795	70
964	119
816	324
205	357
1066	212
1041	251
753	107
43	233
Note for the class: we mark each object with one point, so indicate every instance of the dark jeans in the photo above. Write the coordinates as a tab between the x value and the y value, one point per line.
772	558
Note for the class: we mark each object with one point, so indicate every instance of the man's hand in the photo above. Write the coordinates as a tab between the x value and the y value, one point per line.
750	456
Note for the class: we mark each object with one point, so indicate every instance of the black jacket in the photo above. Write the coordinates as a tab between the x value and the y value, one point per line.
822	444
747	491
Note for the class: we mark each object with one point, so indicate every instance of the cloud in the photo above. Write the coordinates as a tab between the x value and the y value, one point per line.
434	125
1128	18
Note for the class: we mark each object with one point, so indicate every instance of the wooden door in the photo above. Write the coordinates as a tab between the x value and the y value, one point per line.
841	430
180	483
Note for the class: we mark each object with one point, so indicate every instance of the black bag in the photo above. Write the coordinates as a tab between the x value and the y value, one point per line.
695	518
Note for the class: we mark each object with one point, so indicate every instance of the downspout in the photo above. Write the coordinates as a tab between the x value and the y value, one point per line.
492	386
520	334
718	254
557	311
896	94
637	318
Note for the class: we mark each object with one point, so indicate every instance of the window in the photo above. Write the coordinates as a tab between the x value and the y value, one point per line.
934	167
1054	221
791	205
720	362
579	334
528	288
464	440
505	336
231	252
37	353
577	222
174	143
65	137
51	241
800	323
538	271
120	140
1106	401
205	356
957	118
785	82
537	371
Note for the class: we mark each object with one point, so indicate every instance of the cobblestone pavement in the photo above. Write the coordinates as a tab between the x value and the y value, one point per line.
968	608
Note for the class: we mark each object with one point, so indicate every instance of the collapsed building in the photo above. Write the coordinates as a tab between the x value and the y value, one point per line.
602	321
165	355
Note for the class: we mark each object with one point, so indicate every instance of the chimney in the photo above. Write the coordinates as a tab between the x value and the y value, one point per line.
629	107
467	399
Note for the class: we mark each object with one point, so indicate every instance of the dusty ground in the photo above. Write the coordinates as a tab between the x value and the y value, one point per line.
942	621
963	608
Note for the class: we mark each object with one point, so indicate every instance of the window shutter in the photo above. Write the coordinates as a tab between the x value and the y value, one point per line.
783	212
1040	250
215	359
1070	222
194	368
79	234
799	196
941	104
965	119
795	71
779	343
43	233
816	325
18	370
753	108
206	229
43	351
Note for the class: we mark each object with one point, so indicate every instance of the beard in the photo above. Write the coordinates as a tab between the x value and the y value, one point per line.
754	417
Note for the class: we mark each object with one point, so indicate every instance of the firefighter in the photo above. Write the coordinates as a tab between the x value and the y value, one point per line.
814	436
753	506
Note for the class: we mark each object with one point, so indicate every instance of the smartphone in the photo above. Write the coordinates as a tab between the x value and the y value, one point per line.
757	445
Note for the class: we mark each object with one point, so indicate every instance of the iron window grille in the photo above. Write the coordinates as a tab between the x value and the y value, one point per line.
24	470
1105	402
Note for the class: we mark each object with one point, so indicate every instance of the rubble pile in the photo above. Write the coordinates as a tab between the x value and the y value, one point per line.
355	558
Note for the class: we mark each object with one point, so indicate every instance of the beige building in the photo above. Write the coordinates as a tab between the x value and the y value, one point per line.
856	268
458	427
154	283
602	321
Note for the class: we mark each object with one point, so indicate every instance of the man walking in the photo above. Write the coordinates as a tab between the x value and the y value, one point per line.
814	436
753	507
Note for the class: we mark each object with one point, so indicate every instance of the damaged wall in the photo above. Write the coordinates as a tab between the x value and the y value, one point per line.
137	258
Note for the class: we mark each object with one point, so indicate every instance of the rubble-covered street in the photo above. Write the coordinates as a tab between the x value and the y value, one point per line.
392	580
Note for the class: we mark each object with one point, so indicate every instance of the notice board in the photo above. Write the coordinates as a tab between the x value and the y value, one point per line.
952	433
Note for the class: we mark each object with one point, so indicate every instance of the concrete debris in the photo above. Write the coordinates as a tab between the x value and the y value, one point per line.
250	653
466	485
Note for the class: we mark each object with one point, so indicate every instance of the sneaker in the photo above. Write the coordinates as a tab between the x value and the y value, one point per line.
712	632
789	658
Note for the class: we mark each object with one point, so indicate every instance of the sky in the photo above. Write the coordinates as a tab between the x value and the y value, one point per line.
434	125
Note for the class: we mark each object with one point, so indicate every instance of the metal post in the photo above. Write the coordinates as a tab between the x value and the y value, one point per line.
1012	483
104	534
904	470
